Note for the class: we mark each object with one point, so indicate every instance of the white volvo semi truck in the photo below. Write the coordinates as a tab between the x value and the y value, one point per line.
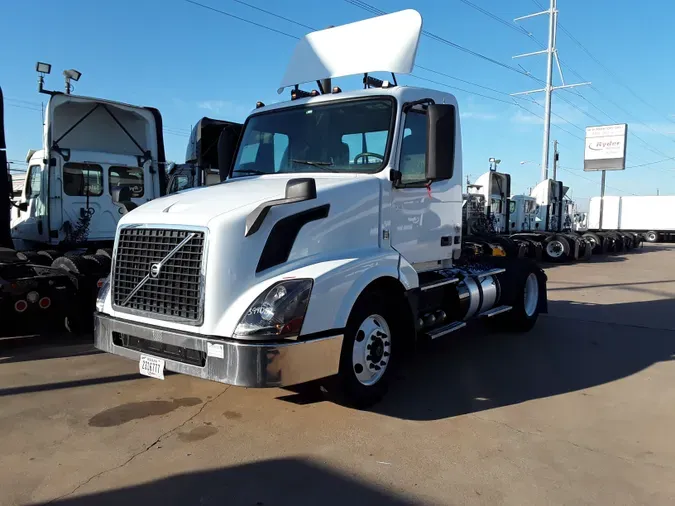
331	247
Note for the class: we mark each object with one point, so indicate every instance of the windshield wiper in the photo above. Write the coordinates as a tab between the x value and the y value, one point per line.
315	163
250	171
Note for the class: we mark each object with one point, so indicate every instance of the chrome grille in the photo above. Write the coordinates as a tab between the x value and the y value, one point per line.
175	293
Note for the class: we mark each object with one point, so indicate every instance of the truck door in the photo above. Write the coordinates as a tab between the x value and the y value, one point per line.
81	202
181	179
31	224
424	221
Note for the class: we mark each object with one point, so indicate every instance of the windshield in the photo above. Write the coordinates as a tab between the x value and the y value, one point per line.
348	136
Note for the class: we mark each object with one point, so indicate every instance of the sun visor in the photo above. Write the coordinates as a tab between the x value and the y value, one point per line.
383	44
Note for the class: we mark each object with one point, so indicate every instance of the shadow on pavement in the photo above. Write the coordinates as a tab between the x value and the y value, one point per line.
47	387
45	347
289	481
478	370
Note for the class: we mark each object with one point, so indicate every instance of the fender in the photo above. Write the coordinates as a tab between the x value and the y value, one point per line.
336	291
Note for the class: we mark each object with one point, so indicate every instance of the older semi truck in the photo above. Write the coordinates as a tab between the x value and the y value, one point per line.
332	246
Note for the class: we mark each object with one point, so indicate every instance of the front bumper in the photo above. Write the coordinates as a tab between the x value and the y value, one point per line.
242	364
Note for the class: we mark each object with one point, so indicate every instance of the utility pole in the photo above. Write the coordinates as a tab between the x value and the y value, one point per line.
551	53
555	160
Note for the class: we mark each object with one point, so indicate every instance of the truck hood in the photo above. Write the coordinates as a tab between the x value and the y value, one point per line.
198	206
344	221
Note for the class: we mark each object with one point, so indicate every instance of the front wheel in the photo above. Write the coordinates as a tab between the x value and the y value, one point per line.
368	351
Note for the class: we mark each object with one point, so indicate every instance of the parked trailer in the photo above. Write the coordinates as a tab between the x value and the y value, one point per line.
334	244
99	158
652	217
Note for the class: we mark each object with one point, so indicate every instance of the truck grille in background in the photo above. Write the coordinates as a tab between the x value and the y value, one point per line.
175	292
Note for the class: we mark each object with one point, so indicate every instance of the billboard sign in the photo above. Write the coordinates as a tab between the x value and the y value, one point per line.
605	147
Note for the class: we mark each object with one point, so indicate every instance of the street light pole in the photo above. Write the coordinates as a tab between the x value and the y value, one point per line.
549	89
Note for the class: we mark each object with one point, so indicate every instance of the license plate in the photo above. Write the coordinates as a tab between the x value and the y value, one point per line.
151	366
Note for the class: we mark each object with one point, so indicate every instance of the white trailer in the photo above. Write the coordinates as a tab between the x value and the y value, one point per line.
333	245
652	216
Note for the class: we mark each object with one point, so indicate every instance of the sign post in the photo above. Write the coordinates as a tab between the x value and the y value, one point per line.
605	150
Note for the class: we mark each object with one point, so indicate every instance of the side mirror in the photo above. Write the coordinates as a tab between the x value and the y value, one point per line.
441	127
23	206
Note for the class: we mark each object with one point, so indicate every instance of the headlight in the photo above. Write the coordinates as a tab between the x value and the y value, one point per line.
278	312
104	289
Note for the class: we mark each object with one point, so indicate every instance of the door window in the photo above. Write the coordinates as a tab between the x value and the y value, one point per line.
82	180
414	148
34	181
131	177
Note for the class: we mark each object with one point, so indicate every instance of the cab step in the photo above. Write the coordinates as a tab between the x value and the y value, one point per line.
495	311
445	329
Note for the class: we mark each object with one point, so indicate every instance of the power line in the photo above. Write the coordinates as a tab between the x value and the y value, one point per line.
374	10
242	19
504	22
27	102
571	171
18	106
273	14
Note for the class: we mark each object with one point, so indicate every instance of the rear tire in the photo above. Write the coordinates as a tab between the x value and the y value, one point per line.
102	261
525	312
556	249
651	236
51	254
105	252
369	350
76	264
34	258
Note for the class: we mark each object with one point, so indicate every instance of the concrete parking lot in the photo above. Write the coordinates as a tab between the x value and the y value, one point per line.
579	411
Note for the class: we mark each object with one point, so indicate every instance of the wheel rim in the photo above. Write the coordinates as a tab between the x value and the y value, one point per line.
372	348
592	241
555	249
531	295
651	237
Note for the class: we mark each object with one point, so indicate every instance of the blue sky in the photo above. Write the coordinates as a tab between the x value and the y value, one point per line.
191	62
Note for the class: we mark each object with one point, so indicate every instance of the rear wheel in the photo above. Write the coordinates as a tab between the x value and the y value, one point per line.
557	248
102	261
596	242
652	236
368	351
34	258
526	305
51	254
105	251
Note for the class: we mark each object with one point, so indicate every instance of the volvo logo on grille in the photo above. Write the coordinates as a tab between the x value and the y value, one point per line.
155	270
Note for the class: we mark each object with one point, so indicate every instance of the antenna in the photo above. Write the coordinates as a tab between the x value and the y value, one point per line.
552	53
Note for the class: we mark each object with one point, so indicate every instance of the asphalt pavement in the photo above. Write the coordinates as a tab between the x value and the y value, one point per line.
579	411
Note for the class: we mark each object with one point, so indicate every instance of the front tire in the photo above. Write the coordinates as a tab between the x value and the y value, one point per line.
369	350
